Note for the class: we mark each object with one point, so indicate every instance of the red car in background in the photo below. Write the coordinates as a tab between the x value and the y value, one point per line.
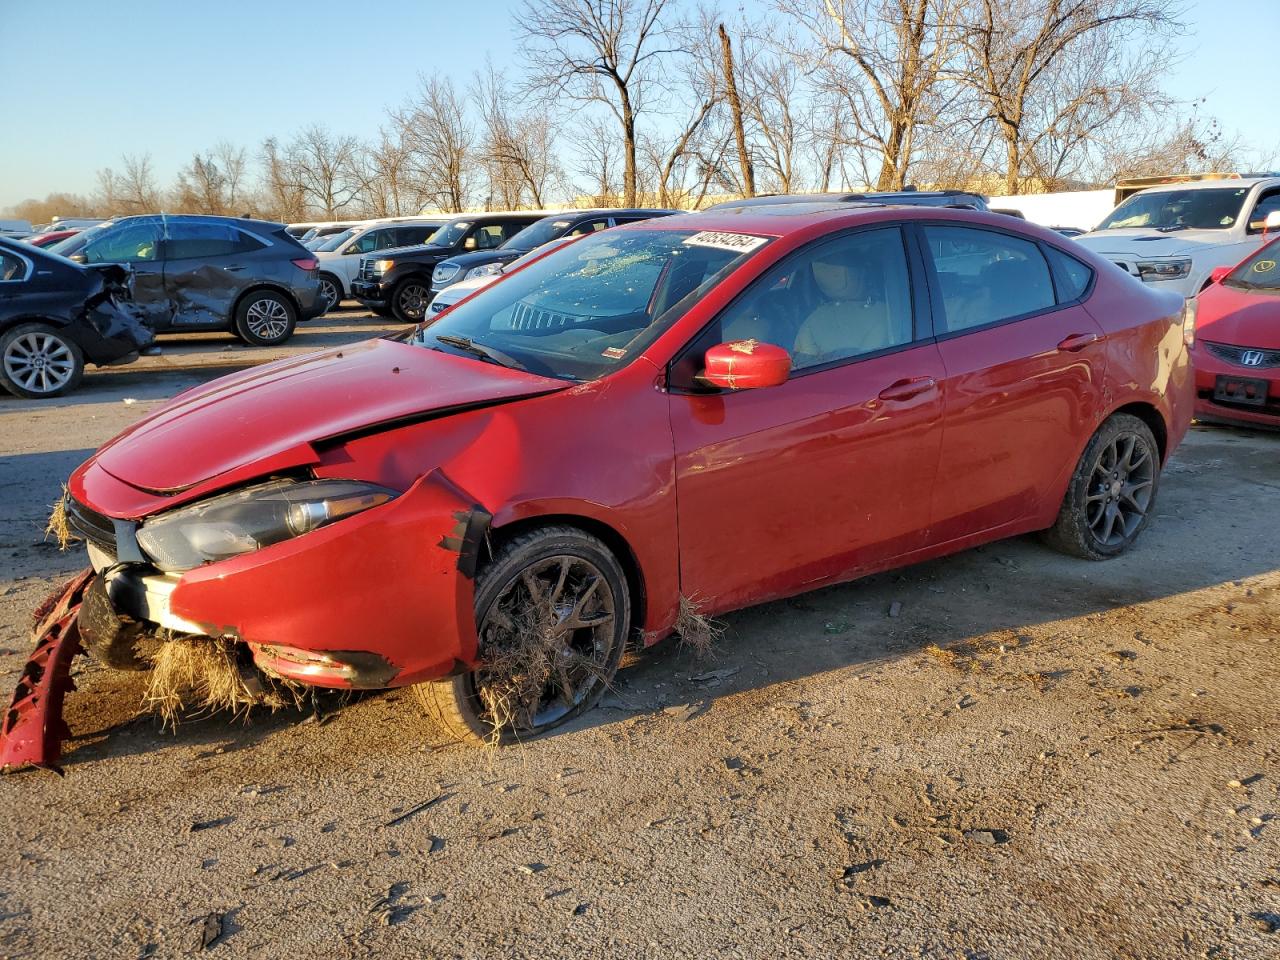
704	411
49	238
1237	342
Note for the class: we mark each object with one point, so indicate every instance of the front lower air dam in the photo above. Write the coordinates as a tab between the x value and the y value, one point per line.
32	730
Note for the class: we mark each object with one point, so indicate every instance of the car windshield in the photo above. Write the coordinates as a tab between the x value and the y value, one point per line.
1259	272
586	309
73	244
1169	210
450	233
537	252
536	234
333	242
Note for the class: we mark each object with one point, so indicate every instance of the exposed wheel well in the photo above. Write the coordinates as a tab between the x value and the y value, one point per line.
1151	417
235	307
602	531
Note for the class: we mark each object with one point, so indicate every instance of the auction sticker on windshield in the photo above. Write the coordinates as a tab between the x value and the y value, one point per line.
740	242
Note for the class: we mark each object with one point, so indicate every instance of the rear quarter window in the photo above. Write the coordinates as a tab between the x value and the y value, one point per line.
1072	276
987	277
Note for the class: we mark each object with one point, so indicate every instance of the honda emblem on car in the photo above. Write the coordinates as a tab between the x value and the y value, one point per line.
1252	358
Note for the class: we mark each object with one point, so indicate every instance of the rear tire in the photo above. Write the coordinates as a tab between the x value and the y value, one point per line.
569	638
39	361
409	300
1112	493
265	318
330	292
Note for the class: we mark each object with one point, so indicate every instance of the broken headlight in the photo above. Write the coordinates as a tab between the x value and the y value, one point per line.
252	518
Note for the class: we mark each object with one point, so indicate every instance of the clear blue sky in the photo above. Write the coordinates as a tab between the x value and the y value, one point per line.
89	81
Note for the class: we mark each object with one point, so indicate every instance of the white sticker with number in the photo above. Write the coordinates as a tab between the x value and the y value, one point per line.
739	242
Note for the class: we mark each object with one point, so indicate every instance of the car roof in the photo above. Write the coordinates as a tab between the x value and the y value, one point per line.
780	220
1225	183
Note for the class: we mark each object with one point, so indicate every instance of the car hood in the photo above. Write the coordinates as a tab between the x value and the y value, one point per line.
462	289
1143	242
1229	315
468	261
270	418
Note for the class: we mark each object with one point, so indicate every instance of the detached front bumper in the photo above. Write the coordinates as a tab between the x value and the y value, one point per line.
1209	368
381	599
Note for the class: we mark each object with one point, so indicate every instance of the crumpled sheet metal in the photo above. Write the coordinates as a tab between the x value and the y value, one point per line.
32	728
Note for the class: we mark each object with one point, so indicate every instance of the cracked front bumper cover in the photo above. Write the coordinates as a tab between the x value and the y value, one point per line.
32	730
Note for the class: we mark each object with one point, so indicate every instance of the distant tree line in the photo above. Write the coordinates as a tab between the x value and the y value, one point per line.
626	102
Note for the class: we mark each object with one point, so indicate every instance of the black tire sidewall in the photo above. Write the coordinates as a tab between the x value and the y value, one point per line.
77	356
242	318
337	285
1073	524
395	299
522	552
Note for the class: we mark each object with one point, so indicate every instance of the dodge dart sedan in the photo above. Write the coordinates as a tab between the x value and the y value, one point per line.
700	412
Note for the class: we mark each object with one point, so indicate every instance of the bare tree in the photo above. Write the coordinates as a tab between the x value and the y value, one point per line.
519	148
284	195
132	191
600	160
1019	54
233	163
440	140
735	111
887	58
326	168
600	52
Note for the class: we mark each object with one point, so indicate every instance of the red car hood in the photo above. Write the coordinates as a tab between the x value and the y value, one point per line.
270	415
1229	315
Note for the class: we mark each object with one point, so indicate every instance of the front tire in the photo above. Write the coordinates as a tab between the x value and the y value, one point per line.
265	319
38	361
1112	492
409	300
553	612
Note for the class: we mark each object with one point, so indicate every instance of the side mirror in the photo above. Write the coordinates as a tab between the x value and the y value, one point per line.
1273	220
1219	274
746	365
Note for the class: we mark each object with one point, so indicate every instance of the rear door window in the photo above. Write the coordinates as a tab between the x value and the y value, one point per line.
410	236
12	268
987	277
189	241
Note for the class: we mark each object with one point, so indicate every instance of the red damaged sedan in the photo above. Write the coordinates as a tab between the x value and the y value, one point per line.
700	412
1237	347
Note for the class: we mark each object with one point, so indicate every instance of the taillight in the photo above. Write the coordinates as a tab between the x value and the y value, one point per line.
1189	321
306	263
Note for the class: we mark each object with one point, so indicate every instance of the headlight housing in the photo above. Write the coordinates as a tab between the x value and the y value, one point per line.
382	266
1164	269
488	270
250	519
444	273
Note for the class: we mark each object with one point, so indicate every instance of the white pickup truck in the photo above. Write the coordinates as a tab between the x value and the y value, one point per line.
1175	235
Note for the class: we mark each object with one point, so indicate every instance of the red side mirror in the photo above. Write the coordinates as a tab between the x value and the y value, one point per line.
1219	274
747	365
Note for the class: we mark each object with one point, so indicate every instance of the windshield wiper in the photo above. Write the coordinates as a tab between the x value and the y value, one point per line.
1172	227
481	351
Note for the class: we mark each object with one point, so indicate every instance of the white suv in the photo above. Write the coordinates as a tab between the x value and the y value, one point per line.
1176	234
340	256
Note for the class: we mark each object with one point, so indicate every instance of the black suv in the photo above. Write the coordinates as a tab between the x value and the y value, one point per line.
211	273
398	282
910	197
572	223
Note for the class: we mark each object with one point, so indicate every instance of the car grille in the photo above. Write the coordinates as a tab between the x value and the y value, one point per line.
1236	355
366	269
91	526
525	317
444	273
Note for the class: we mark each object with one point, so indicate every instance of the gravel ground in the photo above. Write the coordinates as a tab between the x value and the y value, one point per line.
1003	754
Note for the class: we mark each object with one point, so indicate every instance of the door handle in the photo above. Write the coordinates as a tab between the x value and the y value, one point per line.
1077	342
906	389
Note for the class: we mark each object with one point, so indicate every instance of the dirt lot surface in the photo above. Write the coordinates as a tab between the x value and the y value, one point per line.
1003	754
